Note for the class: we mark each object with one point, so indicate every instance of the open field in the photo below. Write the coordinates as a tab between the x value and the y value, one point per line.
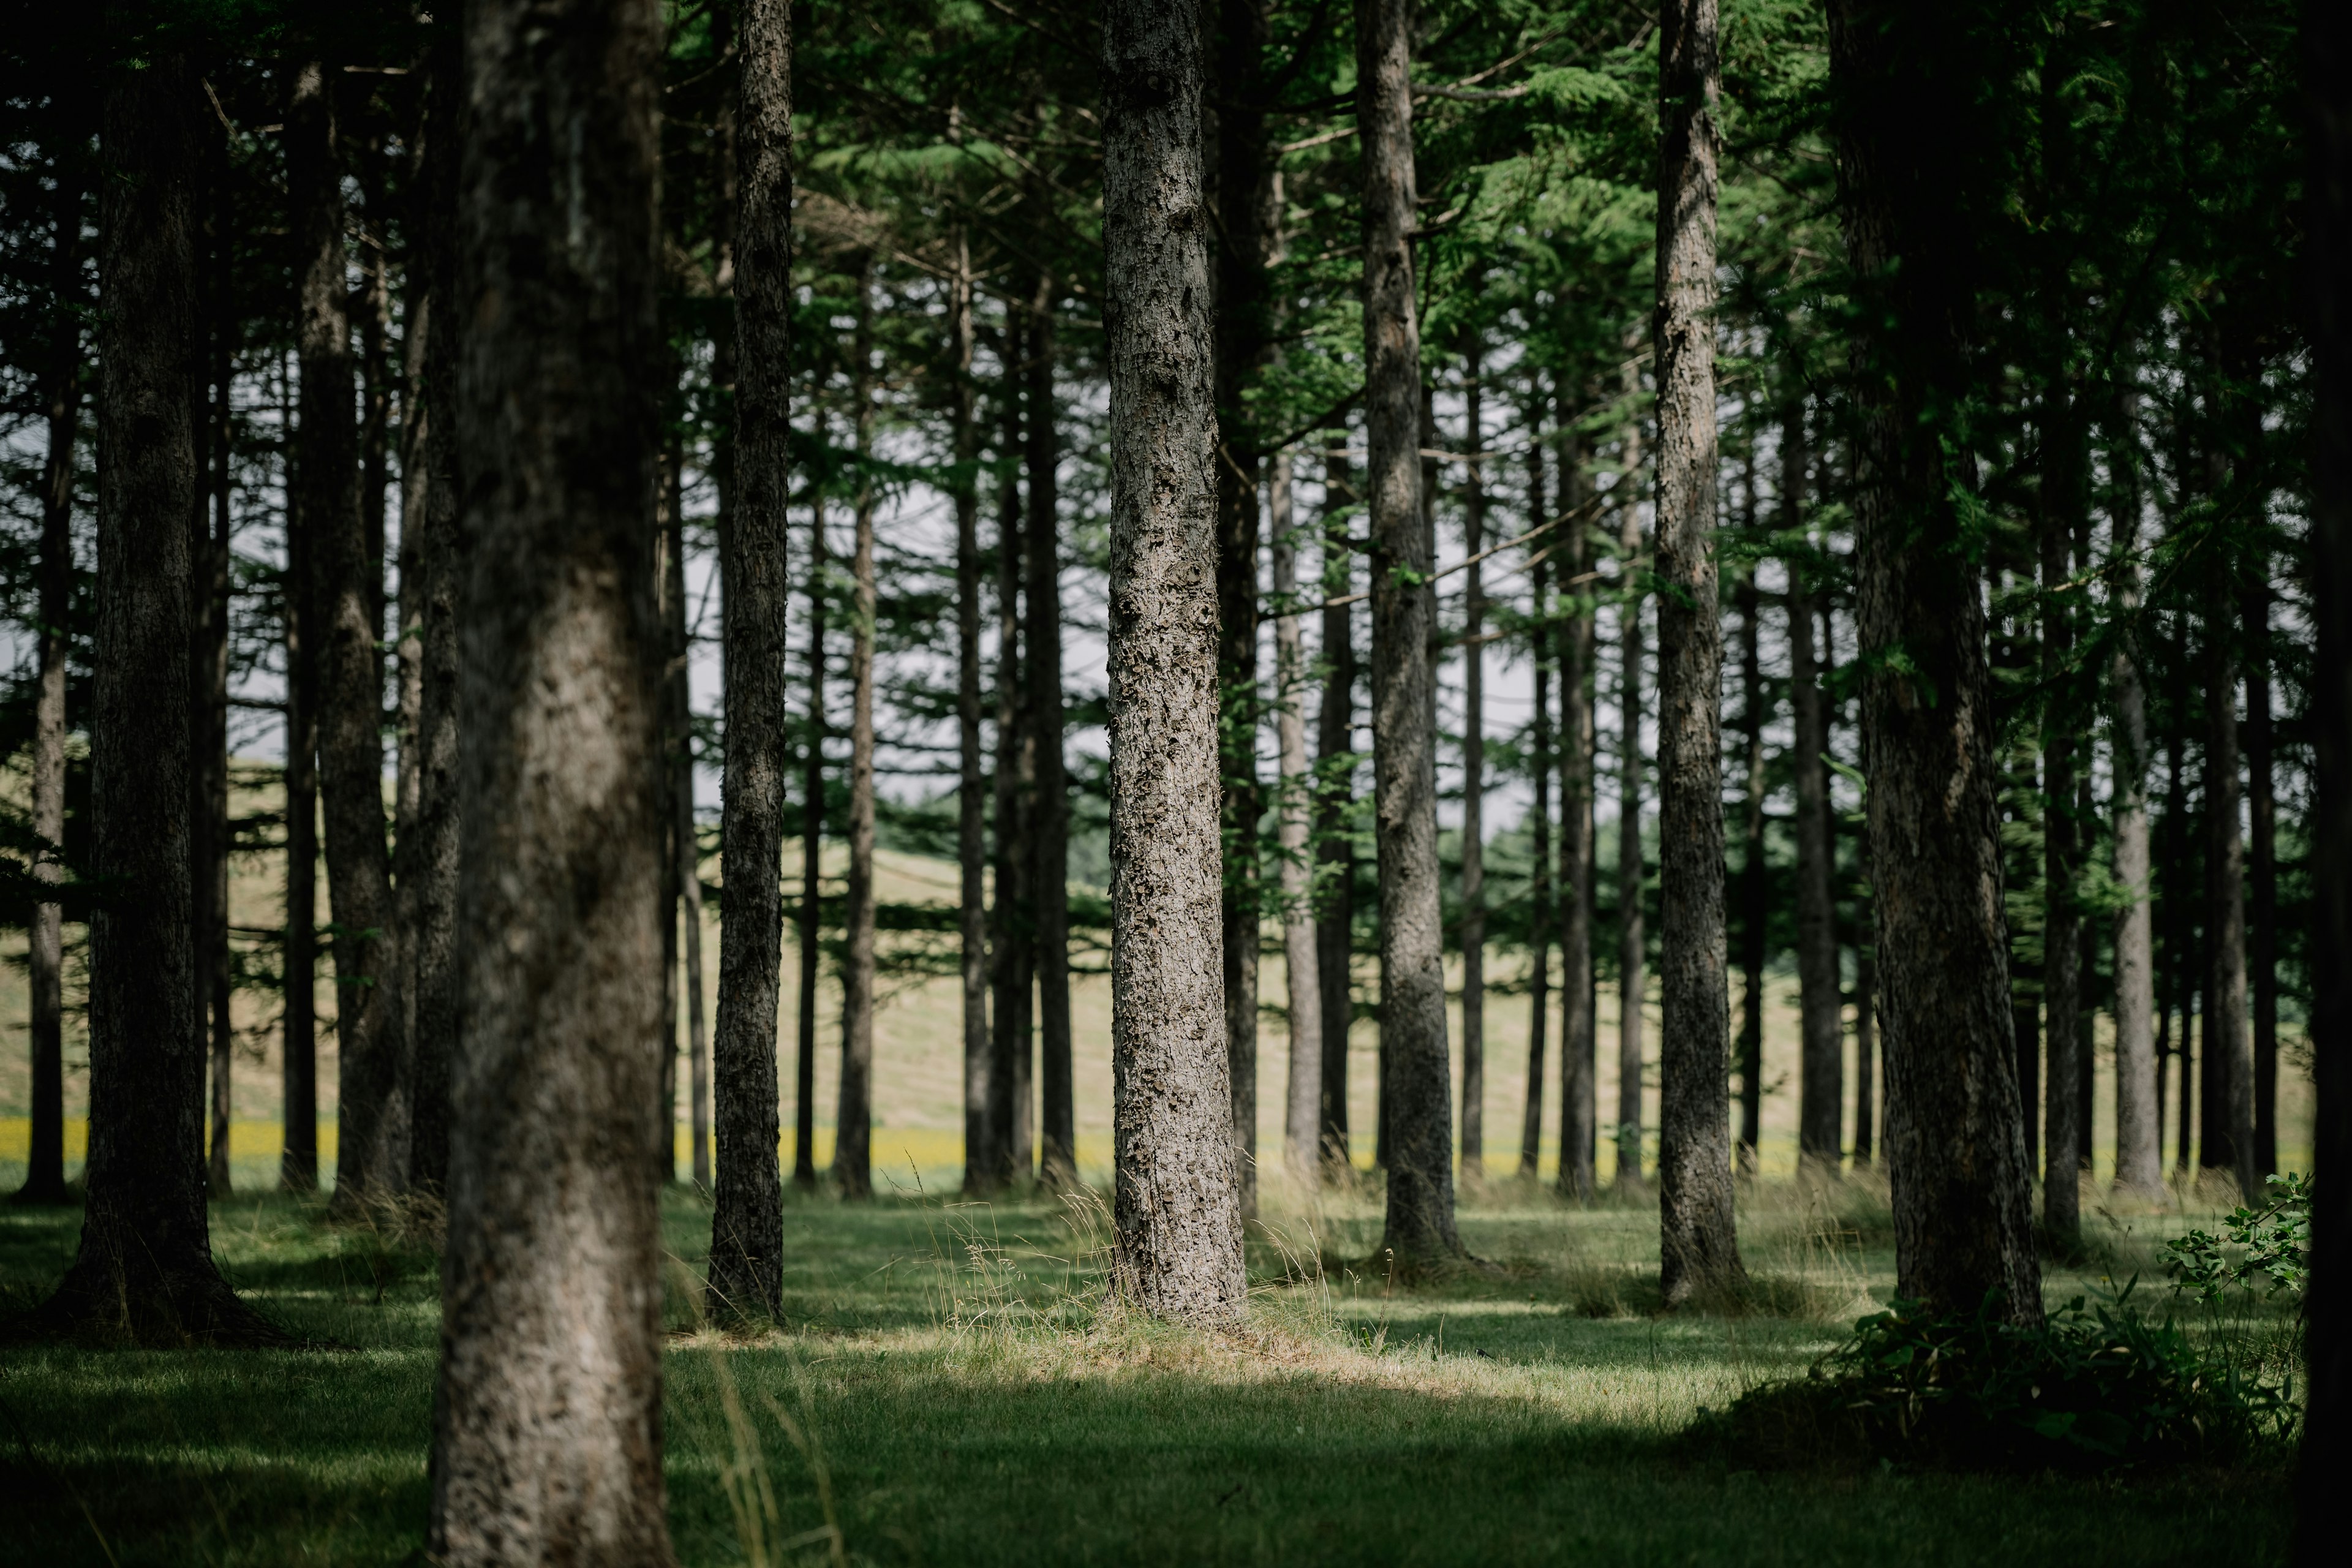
952	1389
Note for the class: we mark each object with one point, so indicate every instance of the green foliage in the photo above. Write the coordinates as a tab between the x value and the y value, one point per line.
2089	1389
2273	1241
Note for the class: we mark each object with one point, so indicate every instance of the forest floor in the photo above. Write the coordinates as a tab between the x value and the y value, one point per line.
951	1388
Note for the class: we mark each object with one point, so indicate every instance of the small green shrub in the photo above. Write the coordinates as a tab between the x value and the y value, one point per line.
2087	1390
2272	1242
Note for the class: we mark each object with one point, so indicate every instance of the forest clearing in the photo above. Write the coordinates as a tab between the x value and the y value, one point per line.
1433	780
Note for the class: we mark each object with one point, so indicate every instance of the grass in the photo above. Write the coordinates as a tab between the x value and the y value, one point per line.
951	1388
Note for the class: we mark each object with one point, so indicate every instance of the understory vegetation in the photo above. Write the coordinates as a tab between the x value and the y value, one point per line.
952	1383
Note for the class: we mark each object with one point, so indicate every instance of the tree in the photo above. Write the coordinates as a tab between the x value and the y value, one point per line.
1545	909
547	1423
853	1123
1955	1138
971	832
1474	783
747	1217
1633	951
1821	1107
1334	853
1699	1246
1578	1030
1302	1108
1177	1210
1049	832
144	1269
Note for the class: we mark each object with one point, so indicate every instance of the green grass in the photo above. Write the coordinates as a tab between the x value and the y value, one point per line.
952	1378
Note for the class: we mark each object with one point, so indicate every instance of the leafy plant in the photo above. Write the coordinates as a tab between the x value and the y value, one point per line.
2273	1241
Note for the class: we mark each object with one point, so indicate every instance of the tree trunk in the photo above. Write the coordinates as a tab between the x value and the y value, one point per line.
1303	1093
1177	1209
297	1169
1334	851
1010	949
1754	892
144	1269
1415	1087
2231	1067
1632	945
1474	787
809	931
1821	1097
548	1419
2321	1507
2063	503
1865	1027
211	543
1961	1188
1049	880
1578	1036
1698	1240
2262	881
971	835
755	593
853	1120
429	869
686	846
2140	1104
372	1115
1543	909
60	393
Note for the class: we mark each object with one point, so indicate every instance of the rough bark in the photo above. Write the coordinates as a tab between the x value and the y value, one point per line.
2140	1112
1473	784
1415	1085
2262	877
2229	1065
2321	1498
971	796
1755	900
428	869
297	1169
1699	1241
1632	948
372	1113
1177	1209
2065	1141
1334	851
144	1269
548	1419
1578	1032
807	931
1820	1074
1303	1089
1544	908
211	543
1954	1129
853	1119
755	592
1049	843
1011	921
61	397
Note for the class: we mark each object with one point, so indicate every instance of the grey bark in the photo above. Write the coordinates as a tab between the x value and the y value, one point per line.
853	1120
1303	1089
145	1270
1578	1030
1474	787
1544	906
1632	950
372	1112
1416	1084
1335	851
1699	1241
61	398
1049	842
548	1418
1820	1100
755	591
972	836
1177	1208
1954	1129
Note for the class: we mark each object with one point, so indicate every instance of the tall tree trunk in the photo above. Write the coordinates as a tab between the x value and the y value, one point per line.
61	393
1755	891
1821	1097
2321	1501
211	542
1578	1035
686	848
755	592
2261	878
1473	785
1415	1087
2179	903
809	931
1049	882
547	1422
1698	1240
1245	232
1303	1092
429	866
2064	503
1544	908
1955	1142
1865	1023
1010	947
853	1120
371	1129
1177	1209
145	1270
1632	944
297	1169
1335	851
2139	1099
2230	1062
972	834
